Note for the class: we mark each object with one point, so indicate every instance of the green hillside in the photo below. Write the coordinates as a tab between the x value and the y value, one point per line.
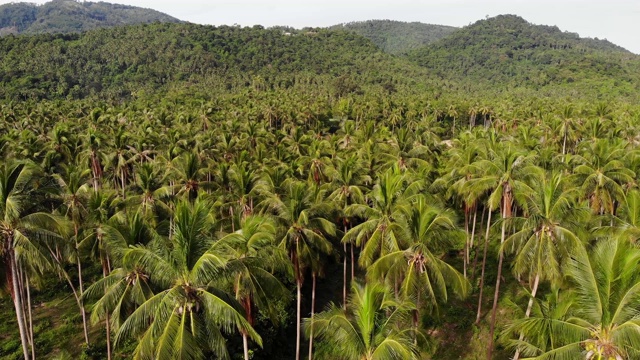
508	52
397	37
152	58
65	16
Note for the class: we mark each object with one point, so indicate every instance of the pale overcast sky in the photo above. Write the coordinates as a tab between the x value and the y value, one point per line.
616	20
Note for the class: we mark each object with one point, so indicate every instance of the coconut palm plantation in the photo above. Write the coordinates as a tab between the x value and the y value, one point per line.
178	191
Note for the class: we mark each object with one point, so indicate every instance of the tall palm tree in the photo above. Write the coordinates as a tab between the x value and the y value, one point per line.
504	174
349	181
75	192
374	327
546	236
302	215
187	317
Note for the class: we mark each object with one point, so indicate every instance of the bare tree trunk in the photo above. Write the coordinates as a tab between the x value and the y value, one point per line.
81	286
105	271
313	308
28	287
475	257
536	282
299	295
496	294
344	273
296	269
17	303
473	228
245	345
466	242
353	265
484	263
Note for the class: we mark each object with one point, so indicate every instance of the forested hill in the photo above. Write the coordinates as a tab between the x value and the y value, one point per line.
397	37
500	56
64	16
152	58
507	51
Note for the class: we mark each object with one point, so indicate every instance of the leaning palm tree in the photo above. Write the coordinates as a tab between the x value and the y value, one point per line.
602	321
187	318
374	327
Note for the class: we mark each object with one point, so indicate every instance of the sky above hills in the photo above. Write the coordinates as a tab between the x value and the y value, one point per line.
614	20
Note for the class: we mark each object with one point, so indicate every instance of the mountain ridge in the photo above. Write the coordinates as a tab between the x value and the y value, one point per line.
66	16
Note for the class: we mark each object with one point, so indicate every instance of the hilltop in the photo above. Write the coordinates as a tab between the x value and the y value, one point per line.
397	37
509	52
65	16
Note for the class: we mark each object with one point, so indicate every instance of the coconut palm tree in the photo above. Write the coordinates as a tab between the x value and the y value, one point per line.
381	232
504	174
22	227
374	327
546	236
302	215
255	261
419	268
603	174
187	317
349	181
601	321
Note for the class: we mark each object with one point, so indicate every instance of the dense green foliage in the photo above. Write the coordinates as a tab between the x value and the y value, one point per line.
181	191
508	52
397	37
125	61
66	16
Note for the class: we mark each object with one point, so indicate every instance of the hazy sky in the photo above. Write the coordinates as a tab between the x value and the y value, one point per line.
616	20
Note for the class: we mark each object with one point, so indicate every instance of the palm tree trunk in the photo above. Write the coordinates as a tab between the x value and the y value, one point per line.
296	269
28	287
299	295
484	263
496	294
313	308
344	272
17	303
353	269
245	345
534	290
105	272
466	242
475	257
81	286
473	228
